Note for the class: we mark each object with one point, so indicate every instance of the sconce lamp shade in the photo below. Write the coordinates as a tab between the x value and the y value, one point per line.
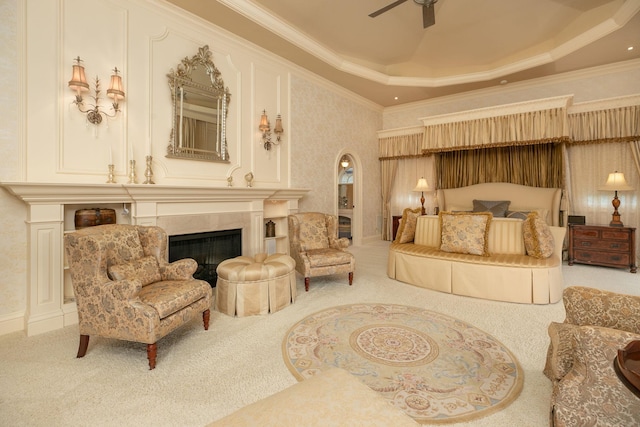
616	182
264	122
115	90
344	162
422	185
78	80
278	129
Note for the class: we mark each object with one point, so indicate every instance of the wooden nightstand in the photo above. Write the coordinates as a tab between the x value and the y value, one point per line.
396	224
603	245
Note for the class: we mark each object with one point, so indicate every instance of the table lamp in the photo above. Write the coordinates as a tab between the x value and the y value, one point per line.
422	186
616	182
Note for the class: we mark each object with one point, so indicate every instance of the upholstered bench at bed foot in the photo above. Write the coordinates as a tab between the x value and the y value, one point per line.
255	285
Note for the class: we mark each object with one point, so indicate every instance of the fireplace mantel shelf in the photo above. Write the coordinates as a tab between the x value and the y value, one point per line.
71	193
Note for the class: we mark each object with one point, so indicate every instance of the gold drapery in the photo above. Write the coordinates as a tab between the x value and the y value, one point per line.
392	149
388	174
531	127
536	165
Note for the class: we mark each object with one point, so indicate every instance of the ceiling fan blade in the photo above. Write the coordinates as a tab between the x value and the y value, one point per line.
428	15
388	7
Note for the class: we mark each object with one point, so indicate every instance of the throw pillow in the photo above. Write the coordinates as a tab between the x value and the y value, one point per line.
407	228
517	214
146	270
538	240
465	233
497	208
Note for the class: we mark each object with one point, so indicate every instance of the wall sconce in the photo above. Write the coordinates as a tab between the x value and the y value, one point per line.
344	162
422	186
616	182
79	83
265	128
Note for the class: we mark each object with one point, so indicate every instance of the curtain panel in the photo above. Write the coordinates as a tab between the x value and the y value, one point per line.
536	165
526	128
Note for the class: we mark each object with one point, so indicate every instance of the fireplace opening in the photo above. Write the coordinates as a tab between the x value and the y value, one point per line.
208	249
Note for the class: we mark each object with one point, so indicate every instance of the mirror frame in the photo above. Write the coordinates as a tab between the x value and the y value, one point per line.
182	77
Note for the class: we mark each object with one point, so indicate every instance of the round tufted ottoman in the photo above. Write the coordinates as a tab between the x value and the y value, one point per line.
260	285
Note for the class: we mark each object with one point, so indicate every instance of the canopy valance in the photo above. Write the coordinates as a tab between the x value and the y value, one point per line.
535	122
601	122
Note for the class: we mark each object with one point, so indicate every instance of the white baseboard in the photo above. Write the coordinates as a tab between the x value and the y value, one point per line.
12	322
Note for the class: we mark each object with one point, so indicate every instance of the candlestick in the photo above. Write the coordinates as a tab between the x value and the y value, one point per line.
132	172
110	177
148	173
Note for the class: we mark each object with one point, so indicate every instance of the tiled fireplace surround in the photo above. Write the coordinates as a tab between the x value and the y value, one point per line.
177	209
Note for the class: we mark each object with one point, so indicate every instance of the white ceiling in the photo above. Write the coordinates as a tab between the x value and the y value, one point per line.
473	44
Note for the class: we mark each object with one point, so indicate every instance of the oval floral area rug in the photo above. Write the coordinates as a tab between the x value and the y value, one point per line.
435	368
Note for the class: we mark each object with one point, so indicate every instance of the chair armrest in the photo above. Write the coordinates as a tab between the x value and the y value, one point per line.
341	243
124	289
181	269
560	352
588	306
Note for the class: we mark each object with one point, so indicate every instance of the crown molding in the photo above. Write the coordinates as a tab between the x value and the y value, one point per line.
594	72
605	104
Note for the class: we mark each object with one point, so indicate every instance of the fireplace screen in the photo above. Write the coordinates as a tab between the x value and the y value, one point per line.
208	249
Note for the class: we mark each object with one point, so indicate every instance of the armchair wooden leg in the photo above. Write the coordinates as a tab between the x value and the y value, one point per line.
84	343
350	278
306	284
152	350
205	319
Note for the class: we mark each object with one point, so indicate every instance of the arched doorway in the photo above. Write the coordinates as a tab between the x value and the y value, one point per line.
348	198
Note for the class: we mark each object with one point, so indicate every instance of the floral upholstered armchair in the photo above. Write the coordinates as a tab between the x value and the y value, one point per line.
126	289
316	248
580	359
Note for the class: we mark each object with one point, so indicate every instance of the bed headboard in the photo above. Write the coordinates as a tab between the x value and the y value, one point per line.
522	198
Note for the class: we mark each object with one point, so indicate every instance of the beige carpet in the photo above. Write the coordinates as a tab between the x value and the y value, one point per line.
204	375
435	368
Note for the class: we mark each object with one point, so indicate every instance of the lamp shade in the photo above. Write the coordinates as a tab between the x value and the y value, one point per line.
78	81
616	182
422	185
115	88
264	122
278	128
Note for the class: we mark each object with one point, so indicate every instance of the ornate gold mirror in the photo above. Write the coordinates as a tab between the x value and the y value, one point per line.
200	108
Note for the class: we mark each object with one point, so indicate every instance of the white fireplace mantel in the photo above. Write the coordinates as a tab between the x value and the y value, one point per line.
39	193
149	205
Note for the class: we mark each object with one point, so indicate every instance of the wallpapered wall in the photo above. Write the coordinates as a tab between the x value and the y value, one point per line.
327	123
13	233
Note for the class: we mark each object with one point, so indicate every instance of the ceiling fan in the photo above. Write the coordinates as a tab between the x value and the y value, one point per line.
428	11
